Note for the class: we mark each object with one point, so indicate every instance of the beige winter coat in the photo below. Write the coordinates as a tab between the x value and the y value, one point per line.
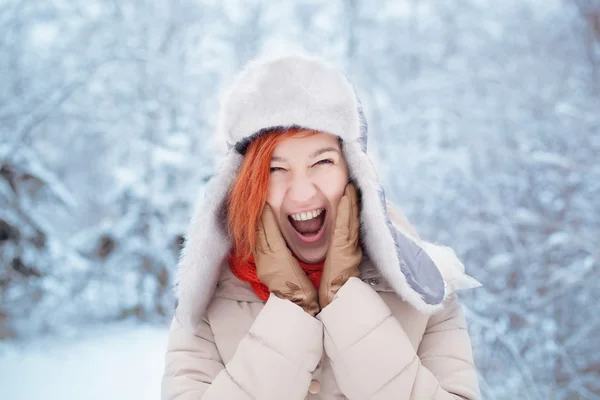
367	344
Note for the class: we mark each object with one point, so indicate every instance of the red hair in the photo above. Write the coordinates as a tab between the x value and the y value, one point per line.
248	194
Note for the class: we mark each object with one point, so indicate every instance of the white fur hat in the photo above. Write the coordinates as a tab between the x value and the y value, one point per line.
303	91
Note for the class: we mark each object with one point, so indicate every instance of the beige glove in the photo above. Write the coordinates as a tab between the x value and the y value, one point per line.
277	268
344	254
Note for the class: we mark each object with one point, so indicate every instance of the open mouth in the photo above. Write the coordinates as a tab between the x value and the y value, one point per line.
308	225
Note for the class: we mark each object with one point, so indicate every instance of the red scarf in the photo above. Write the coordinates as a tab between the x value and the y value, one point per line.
246	271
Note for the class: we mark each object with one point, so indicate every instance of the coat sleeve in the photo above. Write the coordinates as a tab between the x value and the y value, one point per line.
373	358
274	360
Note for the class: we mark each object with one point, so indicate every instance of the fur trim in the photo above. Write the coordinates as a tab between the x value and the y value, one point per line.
206	246
315	95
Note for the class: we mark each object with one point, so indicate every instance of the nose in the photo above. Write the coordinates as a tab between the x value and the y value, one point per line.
302	191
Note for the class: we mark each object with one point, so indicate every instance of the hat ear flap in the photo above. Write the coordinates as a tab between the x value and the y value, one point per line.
404	265
206	245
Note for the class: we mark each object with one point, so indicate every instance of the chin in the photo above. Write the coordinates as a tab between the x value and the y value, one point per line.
312	257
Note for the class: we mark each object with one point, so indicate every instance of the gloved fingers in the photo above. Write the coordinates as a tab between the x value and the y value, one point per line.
271	230
262	242
354	224
342	218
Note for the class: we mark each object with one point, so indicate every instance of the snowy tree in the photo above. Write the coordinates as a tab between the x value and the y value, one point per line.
32	255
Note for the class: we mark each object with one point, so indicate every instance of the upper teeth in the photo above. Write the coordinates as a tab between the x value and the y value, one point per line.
303	216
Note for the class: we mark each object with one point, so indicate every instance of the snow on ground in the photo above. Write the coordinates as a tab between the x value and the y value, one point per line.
119	362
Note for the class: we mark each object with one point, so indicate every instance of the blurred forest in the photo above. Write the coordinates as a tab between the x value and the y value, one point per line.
484	120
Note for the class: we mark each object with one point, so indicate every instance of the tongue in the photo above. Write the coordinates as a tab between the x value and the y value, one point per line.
308	226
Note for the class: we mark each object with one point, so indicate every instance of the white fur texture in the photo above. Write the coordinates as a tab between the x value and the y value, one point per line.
205	247
315	94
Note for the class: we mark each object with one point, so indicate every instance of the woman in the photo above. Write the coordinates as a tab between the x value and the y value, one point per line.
298	280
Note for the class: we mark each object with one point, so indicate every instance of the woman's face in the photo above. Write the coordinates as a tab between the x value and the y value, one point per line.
307	181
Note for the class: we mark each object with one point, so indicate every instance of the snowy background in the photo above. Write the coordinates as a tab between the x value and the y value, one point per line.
485	127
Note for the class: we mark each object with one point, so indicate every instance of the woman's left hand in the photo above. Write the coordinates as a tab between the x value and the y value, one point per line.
344	254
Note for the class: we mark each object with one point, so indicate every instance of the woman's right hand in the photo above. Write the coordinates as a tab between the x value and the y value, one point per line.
277	268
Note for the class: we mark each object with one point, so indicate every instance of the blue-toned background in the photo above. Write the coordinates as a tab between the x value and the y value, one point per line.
485	127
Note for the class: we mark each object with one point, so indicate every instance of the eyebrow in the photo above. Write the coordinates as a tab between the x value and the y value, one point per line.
313	155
